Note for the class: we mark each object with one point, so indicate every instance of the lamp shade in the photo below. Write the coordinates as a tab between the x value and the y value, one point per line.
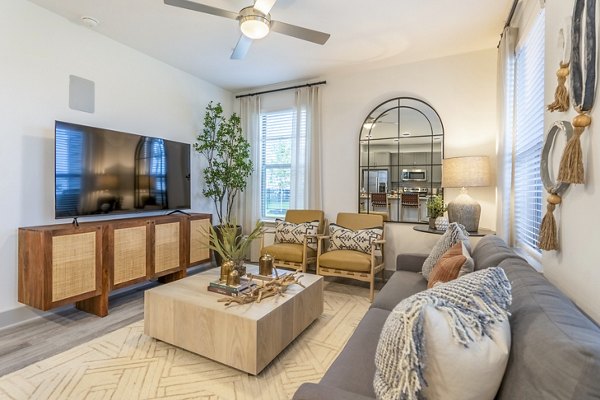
465	172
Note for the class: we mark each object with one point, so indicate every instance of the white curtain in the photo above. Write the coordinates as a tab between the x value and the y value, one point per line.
307	187
249	199
505	103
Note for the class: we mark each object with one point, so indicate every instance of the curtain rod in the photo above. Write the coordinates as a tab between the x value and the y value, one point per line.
511	14
282	89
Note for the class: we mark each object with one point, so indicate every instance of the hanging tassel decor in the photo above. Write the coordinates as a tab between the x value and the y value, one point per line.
548	235
583	82
561	95
547	239
571	163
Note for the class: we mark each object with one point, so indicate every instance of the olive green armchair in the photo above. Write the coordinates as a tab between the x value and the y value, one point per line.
354	264
297	255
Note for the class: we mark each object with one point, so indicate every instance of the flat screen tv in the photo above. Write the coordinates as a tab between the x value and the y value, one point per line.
99	171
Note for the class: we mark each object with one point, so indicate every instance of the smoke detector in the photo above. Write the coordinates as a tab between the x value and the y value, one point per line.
89	22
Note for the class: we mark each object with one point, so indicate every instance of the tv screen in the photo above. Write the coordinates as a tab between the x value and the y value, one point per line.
99	171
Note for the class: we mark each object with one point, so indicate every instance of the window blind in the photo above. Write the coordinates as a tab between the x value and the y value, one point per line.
276	142
69	165
529	136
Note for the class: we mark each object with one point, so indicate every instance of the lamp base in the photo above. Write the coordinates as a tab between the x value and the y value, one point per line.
465	210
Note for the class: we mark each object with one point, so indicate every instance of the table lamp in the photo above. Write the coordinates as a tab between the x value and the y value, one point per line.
464	172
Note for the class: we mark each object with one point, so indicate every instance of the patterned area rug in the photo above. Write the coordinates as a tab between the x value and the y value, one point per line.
126	364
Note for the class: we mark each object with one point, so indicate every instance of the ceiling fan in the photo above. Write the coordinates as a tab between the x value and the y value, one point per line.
255	23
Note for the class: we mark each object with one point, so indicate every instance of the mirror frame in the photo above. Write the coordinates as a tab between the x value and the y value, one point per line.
376	113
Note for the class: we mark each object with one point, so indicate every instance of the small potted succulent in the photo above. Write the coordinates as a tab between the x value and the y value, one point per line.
435	209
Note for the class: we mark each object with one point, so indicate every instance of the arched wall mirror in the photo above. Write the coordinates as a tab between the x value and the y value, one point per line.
401	148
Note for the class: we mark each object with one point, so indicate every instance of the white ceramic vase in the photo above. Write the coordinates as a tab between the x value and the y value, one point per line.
441	223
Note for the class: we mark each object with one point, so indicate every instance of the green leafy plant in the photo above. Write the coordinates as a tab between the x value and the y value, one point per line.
228	155
230	244
435	206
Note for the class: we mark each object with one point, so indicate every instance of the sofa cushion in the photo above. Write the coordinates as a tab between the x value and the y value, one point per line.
410	262
341	238
289	232
287	251
436	343
555	350
453	234
454	262
401	285
490	251
348	260
313	391
354	369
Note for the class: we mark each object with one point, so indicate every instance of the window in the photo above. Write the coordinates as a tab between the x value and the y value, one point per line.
528	136
276	141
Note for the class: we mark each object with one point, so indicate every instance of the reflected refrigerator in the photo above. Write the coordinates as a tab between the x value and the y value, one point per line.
375	180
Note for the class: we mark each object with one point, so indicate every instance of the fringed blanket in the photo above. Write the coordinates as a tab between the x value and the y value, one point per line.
473	304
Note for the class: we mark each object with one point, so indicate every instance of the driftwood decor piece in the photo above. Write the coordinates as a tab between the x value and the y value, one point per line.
547	239
583	87
265	289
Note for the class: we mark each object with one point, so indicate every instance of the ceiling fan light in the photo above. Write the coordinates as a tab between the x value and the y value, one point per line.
254	24
254	29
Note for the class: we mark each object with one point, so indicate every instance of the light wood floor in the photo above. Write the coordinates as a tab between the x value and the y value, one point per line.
36	340
57	332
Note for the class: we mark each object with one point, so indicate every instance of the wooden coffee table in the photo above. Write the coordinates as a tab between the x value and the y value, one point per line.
247	337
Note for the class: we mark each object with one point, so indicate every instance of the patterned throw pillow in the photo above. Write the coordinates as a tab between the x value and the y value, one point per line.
453	235
448	342
341	238
288	232
454	263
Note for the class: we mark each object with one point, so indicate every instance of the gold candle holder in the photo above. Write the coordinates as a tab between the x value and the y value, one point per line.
234	278
226	268
265	265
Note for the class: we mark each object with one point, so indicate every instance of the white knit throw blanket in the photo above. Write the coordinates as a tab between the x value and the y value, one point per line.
473	304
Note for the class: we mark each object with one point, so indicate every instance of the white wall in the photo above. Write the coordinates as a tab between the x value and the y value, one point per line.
461	88
134	93
575	268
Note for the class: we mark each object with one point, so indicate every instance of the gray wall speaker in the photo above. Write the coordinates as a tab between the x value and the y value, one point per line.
81	94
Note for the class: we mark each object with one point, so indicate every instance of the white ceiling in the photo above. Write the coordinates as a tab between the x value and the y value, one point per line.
364	34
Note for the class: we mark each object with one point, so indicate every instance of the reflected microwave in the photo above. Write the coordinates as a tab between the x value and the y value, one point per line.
414	175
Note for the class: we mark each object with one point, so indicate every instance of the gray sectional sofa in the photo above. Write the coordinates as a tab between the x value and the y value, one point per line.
555	351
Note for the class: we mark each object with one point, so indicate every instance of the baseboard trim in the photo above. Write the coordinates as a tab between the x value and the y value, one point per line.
24	314
21	315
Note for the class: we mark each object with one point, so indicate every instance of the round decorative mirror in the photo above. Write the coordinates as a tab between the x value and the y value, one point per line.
401	148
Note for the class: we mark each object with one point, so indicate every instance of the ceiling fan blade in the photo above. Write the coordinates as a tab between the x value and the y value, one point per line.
299	32
264	6
190	5
241	48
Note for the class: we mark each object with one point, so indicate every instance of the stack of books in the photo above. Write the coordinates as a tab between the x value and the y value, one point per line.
234	290
280	273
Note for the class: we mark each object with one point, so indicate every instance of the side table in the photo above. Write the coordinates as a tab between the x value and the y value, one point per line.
427	229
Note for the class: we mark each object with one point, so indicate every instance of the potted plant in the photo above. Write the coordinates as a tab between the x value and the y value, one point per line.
227	153
435	208
231	246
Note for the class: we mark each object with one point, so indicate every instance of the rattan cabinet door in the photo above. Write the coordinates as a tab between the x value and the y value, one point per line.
128	252
199	231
